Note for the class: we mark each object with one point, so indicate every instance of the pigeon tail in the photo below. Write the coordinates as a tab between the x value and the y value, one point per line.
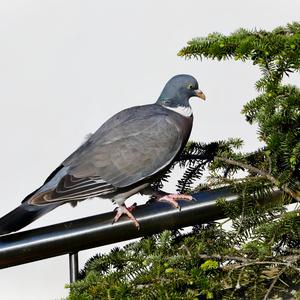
22	216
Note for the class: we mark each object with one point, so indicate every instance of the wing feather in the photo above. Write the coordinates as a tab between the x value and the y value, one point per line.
132	146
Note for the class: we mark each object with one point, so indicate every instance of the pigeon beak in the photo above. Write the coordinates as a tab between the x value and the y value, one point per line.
200	94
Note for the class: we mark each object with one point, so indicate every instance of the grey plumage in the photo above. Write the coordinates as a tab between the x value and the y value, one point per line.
120	159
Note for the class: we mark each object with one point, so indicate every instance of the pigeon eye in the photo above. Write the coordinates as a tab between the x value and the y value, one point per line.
190	86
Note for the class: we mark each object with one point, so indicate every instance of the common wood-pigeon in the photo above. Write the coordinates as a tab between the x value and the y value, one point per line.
123	157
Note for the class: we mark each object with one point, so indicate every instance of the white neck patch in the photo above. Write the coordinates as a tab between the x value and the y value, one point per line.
185	111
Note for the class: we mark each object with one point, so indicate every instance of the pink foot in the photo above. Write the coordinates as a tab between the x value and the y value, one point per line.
173	198
123	210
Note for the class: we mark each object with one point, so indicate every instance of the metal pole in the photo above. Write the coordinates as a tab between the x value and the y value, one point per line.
95	231
73	266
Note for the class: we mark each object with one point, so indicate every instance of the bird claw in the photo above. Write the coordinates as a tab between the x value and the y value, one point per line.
173	198
123	210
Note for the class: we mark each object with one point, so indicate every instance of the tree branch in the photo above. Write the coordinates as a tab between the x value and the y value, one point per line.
250	262
225	257
273	283
262	173
287	264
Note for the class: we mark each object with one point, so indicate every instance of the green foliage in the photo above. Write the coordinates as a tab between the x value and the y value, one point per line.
275	52
173	266
277	109
257	256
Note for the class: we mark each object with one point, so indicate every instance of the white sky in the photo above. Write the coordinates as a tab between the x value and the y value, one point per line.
67	66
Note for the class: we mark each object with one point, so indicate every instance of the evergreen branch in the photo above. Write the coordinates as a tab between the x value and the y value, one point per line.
241	223
297	251
237	286
250	262
260	172
287	264
185	157
190	175
273	283
224	257
184	247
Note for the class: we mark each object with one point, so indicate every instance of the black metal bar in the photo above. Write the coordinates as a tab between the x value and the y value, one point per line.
95	231
73	266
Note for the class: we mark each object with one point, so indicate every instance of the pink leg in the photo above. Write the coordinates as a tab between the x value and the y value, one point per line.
172	198
123	210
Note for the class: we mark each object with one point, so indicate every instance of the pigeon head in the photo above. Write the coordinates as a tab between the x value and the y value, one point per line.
178	90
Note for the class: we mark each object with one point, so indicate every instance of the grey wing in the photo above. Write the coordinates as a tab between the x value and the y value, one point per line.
130	151
130	147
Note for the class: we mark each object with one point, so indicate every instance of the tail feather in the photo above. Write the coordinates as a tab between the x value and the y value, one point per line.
22	216
26	213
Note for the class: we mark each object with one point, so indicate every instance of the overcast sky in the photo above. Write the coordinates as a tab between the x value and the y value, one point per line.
67	66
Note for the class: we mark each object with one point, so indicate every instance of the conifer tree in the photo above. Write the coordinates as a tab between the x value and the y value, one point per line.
258	257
